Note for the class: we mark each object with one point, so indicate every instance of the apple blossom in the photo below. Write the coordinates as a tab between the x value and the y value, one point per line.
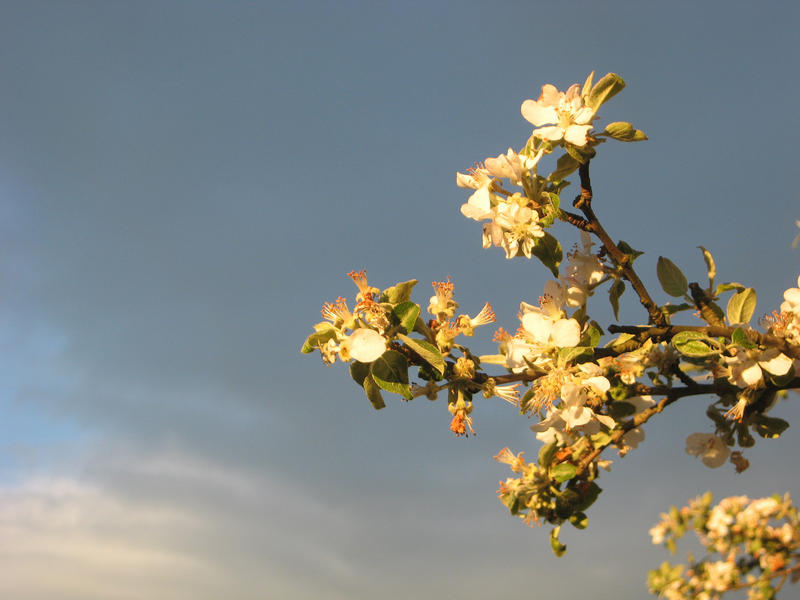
563	114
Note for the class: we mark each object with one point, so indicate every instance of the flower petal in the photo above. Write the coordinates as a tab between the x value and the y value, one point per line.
366	345
538	114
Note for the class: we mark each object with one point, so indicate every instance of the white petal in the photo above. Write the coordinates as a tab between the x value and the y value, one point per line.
366	345
577	416
576	134
583	116
751	374
538	326
538	114
552	133
792	296
566	333
607	421
600	384
550	95
465	181
777	365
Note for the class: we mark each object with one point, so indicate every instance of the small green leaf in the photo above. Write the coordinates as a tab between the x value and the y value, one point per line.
359	372
711	267
623	337
693	344
739	337
600	438
624	132
587	85
671	309
566	355
324	332
614	293
593	334
724	287
770	427
551	210
427	351
558	548
605	89
565	166
579	520
589	494
406	313
671	278
548	250
564	472
398	293
741	306
621	409
390	372
373	393
743	437
630	252
546	454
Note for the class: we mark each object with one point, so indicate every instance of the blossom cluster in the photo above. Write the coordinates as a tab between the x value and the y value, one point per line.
585	396
749	544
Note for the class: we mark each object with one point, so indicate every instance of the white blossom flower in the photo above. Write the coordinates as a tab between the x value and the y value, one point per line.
746	366
562	113
711	449
365	345
545	331
512	166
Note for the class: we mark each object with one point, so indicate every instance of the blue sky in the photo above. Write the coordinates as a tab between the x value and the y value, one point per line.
185	183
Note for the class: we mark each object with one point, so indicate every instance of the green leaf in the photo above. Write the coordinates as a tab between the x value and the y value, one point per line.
587	85
373	393
694	344
605	89
579	520
741	306
628	251
390	372
324	332
593	334
624	132
770	427
724	287
398	293
555	544
614	292
671	278
623	337
406	313
551	209
427	351
565	166
359	372
589	494
671	309
739	337
546	454
743	436
621	409
564	472
600	438
548	250
566	355
711	267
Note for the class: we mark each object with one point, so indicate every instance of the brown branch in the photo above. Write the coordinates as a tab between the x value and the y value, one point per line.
658	334
584	203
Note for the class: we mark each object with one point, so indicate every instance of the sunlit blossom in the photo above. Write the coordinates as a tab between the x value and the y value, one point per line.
559	115
711	449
